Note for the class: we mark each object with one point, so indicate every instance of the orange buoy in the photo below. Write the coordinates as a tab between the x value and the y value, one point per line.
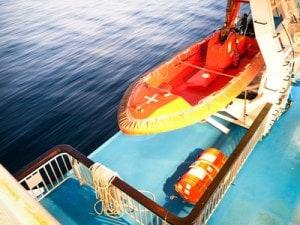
201	173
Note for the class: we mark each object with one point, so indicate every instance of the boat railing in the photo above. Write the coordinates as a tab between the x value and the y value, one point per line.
55	166
50	170
229	171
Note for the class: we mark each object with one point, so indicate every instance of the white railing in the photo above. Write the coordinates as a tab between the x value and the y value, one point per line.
48	177
140	213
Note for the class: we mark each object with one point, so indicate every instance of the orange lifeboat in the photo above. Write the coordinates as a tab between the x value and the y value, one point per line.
194	84
191	86
201	173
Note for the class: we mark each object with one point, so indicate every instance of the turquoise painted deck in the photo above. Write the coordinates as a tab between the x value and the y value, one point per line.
265	192
74	204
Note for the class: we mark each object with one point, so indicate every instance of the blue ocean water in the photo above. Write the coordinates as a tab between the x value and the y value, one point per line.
64	65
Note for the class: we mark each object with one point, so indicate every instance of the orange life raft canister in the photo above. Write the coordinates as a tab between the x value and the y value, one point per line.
201	173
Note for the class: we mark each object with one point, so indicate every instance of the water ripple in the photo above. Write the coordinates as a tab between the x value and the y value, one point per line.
64	65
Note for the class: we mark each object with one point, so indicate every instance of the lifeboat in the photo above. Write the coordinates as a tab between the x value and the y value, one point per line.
194	84
201	173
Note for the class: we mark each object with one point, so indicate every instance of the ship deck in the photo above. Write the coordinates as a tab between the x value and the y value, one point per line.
265	191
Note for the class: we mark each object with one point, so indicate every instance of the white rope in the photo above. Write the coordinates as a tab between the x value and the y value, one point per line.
77	171
109	196
110	201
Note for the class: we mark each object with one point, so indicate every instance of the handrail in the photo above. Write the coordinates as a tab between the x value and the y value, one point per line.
229	162
58	149
122	185
141	198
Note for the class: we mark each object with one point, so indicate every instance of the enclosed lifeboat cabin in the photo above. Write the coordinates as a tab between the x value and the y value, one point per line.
192	185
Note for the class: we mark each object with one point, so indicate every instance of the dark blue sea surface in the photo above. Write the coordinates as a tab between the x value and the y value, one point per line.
65	64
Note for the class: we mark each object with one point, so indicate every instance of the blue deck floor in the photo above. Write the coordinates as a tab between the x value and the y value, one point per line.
74	204
265	192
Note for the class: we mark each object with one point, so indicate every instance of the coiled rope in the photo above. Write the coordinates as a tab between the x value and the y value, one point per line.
111	201
109	196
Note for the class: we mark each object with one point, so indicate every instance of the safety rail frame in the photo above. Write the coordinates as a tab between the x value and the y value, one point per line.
159	215
46	178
